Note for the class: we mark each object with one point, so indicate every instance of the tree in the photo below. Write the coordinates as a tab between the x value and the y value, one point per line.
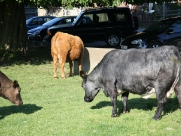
12	24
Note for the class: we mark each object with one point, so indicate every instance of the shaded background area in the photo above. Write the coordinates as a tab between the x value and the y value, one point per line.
40	53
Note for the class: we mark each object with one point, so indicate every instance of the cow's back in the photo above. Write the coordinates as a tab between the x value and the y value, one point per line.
64	43
77	48
139	68
4	80
60	43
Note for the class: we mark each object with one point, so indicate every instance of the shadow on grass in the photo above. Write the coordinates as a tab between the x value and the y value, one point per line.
25	108
141	104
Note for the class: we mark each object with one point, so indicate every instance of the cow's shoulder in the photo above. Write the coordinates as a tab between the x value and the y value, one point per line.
4	78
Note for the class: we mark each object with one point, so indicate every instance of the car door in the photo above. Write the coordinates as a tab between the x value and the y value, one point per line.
85	28
173	34
103	25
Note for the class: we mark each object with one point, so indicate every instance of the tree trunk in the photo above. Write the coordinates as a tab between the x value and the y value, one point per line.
13	36
2	5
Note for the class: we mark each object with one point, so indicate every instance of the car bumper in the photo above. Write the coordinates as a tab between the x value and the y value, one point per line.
35	37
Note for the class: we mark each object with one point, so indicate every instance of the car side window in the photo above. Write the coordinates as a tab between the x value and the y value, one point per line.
40	21
86	20
47	19
37	21
34	21
121	18
101	18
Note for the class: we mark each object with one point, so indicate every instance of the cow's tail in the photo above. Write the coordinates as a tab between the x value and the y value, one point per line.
170	92
54	39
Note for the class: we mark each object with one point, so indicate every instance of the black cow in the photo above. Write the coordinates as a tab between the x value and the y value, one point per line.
10	89
138	71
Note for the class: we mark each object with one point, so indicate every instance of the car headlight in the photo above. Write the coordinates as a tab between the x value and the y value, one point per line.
137	41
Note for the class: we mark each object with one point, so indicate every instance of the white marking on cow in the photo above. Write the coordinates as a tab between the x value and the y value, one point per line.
148	94
120	92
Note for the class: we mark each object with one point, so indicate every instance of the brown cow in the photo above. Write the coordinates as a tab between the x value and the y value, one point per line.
10	89
66	47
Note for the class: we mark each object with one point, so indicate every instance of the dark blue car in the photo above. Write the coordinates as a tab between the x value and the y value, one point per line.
38	33
36	21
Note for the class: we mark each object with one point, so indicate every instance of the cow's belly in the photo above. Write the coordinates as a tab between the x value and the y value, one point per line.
146	94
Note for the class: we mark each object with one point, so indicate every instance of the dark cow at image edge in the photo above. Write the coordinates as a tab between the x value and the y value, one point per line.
10	90
137	71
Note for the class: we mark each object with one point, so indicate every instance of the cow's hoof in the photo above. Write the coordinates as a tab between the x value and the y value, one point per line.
156	118
127	111
55	77
115	115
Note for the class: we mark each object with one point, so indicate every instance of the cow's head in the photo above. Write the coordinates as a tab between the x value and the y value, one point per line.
12	93
91	90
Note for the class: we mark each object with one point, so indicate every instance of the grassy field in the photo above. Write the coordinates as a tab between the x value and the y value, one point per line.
55	107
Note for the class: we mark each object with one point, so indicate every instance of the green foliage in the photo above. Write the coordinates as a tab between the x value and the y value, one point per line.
83	3
47	3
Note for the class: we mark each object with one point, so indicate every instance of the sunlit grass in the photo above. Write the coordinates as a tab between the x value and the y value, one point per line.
56	107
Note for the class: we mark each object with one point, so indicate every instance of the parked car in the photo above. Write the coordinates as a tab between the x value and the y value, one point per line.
36	21
111	24
164	32
38	33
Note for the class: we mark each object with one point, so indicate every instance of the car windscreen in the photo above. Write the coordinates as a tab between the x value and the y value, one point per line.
28	20
51	22
159	26
77	18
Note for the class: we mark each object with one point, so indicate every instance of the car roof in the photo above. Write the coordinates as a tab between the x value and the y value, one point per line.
66	16
41	16
173	18
105	9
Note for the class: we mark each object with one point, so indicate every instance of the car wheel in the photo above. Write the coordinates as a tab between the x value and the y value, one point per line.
154	44
113	40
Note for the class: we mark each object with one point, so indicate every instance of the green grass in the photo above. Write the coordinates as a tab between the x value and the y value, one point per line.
55	107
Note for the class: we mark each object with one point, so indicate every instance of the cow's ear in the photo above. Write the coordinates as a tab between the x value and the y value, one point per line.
15	84
82	74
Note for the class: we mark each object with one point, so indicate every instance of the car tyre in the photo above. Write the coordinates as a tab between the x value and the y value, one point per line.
154	44
113	40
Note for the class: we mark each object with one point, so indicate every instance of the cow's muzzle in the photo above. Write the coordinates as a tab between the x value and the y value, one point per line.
18	103
86	99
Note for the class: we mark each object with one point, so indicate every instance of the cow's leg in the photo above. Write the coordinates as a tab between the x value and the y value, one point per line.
114	104
111	91
55	60
62	65
161	100
80	63
124	101
178	92
70	66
